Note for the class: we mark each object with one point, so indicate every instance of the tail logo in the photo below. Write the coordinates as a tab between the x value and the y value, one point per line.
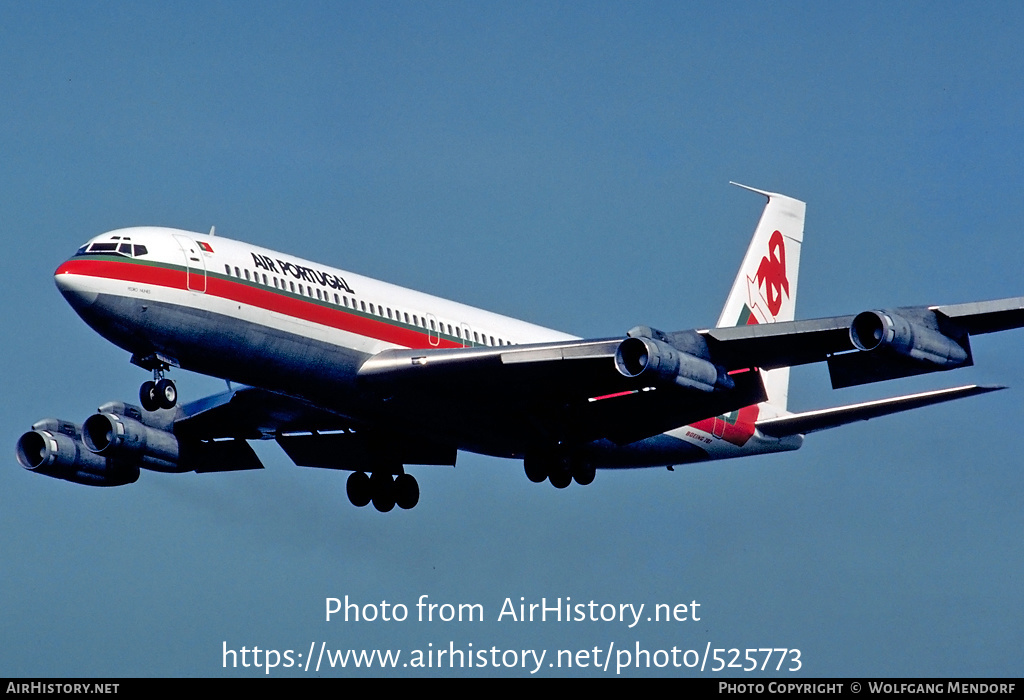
771	275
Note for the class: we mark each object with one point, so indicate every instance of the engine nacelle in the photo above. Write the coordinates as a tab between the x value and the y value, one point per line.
871	330
54	448
655	360
120	437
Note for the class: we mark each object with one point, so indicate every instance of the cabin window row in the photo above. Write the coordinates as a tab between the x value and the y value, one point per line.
455	331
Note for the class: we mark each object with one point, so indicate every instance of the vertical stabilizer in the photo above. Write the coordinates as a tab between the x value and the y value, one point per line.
765	288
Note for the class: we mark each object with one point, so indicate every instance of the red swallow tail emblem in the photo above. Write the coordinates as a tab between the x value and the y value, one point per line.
772	273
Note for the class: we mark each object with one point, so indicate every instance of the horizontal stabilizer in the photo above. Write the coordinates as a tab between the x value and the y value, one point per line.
812	421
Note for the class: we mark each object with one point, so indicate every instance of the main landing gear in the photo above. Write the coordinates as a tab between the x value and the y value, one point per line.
384	490
559	470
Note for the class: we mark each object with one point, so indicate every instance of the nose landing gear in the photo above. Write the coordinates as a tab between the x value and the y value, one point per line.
160	392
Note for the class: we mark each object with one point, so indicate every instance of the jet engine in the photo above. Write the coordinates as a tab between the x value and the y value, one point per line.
871	330
110	447
120	437
656	360
54	447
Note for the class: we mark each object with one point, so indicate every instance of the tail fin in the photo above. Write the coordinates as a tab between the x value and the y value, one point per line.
765	288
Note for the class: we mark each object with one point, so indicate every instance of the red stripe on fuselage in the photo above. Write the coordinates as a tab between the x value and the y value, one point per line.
260	297
737	432
125	271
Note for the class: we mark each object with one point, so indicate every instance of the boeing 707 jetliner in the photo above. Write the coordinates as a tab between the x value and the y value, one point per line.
347	372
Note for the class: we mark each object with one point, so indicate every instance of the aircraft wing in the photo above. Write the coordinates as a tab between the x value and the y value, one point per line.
587	389
311	435
872	346
580	391
790	343
571	390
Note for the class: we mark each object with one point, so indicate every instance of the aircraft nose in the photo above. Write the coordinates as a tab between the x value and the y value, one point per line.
74	287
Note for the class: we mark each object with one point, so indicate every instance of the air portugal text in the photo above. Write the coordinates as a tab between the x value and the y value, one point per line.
301	272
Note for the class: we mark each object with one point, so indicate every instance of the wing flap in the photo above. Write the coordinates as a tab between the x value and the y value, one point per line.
220	456
364	451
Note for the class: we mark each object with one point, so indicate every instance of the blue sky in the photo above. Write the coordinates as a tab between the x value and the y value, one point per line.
565	163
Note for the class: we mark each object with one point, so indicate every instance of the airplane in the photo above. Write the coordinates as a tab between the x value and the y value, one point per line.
351	373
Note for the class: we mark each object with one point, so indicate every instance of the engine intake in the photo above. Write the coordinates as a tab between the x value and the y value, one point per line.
657	361
872	330
113	435
54	448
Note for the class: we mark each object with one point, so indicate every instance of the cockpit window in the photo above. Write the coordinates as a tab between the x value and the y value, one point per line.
110	248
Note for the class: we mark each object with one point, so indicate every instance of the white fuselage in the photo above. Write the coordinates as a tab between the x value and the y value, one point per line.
263	318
